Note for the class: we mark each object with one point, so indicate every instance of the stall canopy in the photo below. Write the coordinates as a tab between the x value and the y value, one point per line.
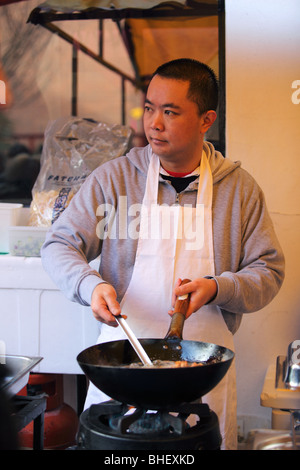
152	31
7	2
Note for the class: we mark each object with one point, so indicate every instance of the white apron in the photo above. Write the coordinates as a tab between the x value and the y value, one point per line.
161	259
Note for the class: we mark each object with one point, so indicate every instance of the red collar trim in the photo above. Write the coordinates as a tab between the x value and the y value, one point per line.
178	175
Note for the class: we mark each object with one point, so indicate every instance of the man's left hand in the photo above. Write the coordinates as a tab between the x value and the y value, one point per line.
201	292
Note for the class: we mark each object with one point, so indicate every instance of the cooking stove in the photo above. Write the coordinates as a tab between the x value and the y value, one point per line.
113	425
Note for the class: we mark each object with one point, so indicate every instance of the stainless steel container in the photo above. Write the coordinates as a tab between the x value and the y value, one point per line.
16	370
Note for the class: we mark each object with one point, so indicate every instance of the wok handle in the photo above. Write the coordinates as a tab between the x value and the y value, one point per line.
178	317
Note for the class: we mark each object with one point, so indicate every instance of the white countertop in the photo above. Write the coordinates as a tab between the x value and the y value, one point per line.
19	272
37	320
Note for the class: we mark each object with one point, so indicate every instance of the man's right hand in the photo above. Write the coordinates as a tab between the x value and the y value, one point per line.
104	304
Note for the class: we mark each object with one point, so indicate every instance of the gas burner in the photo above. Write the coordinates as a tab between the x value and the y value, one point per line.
143	422
116	426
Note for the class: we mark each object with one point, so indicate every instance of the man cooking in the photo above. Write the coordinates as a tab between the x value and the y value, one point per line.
172	210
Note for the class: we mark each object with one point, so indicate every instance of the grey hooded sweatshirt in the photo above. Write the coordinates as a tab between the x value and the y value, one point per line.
249	263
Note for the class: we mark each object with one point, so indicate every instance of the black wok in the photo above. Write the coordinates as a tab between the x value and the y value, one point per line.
152	387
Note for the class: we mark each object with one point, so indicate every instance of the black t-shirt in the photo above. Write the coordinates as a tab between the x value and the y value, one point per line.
180	183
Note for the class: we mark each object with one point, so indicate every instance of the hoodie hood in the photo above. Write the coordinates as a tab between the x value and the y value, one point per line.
220	166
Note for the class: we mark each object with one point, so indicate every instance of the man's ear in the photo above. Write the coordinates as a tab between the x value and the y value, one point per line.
208	118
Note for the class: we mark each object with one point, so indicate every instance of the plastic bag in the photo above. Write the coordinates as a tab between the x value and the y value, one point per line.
72	149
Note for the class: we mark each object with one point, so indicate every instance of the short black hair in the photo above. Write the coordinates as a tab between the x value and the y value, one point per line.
203	89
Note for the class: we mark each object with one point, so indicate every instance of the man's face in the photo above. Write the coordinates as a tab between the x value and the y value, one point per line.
172	124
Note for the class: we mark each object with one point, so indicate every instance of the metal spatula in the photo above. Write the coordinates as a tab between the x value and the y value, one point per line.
133	340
